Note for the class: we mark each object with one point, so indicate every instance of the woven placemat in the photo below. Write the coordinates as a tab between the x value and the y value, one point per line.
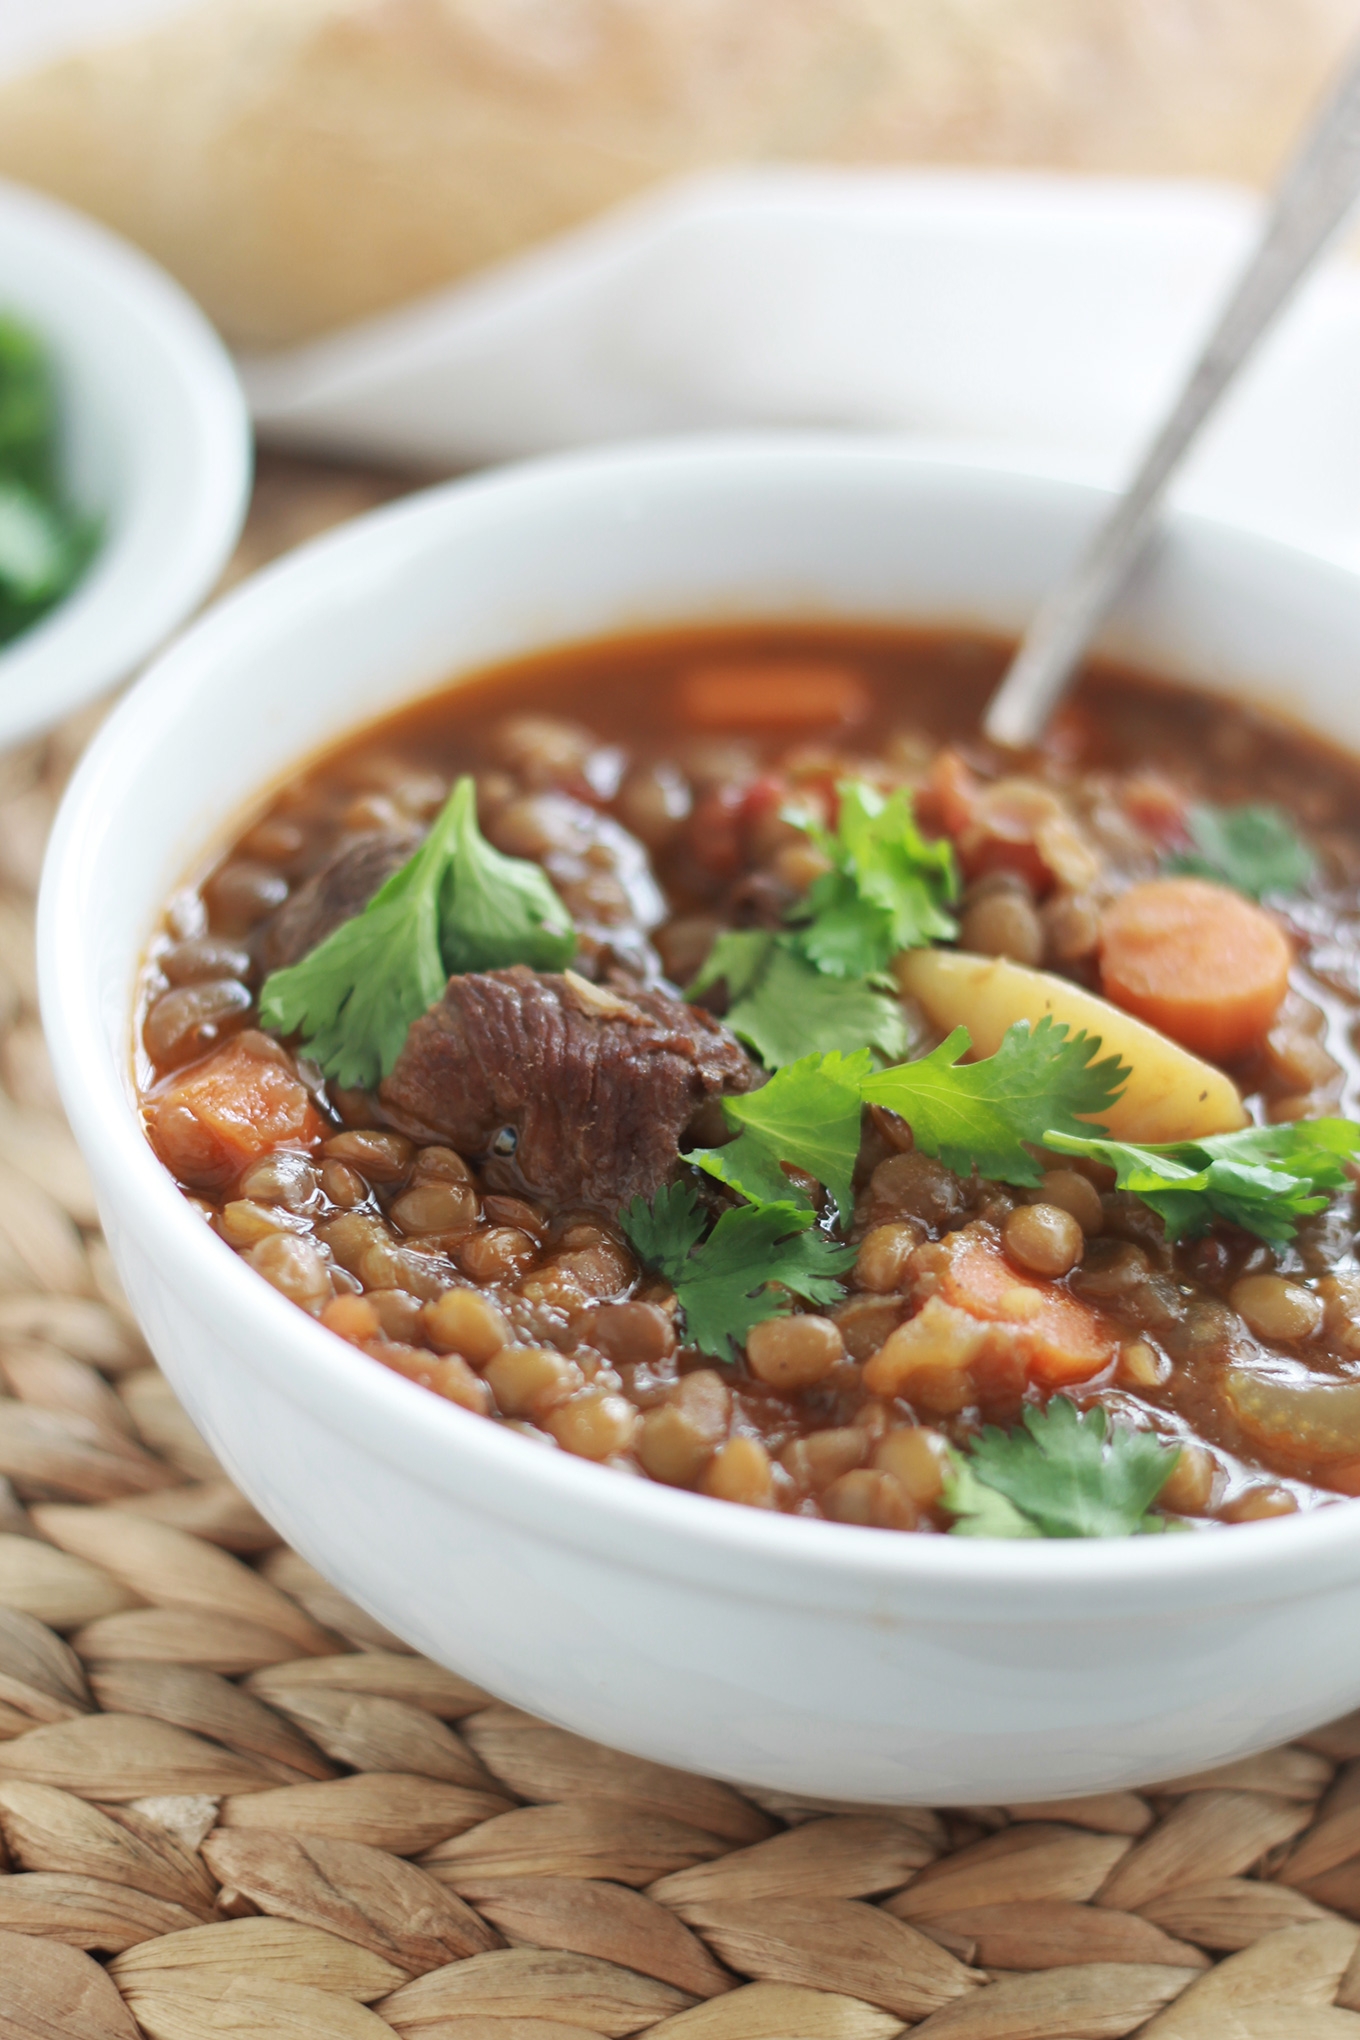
232	1805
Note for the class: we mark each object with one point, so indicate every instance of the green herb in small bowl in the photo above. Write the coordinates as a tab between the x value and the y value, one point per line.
45	544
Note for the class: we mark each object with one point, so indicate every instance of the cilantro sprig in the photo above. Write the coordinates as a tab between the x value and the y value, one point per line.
887	889
723	1285
784	1008
1254	848
982	1115
821	983
456	905
808	1115
1264	1179
1061	1473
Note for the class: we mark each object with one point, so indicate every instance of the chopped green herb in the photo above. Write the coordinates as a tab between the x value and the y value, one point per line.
497	910
456	905
722	1286
1061	1474
822	984
44	544
986	1115
978	1510
808	1115
1254	848
887	889
784	1008
1264	1179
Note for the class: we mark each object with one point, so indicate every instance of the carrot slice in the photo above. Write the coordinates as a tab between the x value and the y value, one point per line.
772	694
1197	960
226	1112
1064	1339
986	1330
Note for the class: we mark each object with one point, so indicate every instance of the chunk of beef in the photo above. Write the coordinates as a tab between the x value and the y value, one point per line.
564	1091
342	888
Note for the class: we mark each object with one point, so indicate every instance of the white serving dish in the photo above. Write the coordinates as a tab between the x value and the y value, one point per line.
781	1651
157	445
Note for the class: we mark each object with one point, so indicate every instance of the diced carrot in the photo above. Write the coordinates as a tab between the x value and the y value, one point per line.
226	1112
772	694
986	1330
1197	960
1064	1338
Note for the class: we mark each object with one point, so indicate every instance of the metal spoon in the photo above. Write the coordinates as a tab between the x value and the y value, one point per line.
1310	202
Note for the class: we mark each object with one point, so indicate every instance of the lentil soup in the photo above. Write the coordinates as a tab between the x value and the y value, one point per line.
582	1044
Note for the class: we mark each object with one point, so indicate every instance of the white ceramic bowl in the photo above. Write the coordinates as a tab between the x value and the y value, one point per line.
157	445
797	1654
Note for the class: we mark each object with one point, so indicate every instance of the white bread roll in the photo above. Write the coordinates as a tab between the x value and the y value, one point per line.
299	163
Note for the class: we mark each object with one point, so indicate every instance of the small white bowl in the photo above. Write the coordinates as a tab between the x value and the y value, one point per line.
797	1654
156	445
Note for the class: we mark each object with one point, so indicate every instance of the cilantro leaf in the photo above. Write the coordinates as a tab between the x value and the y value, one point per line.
978	1510
808	1115
1064	1472
981	1115
819	985
1264	1178
887	889
664	1232
1254	848
457	904
785	1008
722	1286
739	958
497	910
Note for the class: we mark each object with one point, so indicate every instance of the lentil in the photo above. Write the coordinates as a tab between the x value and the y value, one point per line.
1044	1239
792	1353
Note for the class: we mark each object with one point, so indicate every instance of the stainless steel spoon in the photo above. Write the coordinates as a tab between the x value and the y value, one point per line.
1310	202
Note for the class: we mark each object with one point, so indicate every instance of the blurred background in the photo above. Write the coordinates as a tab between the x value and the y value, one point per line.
299	164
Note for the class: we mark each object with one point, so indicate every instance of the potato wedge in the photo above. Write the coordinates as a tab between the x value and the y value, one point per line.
1171	1094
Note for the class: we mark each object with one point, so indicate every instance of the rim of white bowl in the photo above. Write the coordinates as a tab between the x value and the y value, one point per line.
637	1523
166	386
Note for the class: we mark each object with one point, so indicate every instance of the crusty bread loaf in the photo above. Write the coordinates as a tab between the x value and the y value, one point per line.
298	163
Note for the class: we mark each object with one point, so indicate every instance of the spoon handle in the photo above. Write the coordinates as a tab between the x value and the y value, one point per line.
1310	202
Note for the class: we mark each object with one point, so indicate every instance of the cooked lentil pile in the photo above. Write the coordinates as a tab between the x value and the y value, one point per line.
703	1055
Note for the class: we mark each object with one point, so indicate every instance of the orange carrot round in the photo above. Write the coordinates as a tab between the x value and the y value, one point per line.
1197	960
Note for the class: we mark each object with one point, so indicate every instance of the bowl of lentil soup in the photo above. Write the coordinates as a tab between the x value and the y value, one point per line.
754	1227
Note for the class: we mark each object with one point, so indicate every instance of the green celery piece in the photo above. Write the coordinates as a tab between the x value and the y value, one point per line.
722	1285
1070	1474
985	1115
1254	848
497	910
1263	1178
808	1115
